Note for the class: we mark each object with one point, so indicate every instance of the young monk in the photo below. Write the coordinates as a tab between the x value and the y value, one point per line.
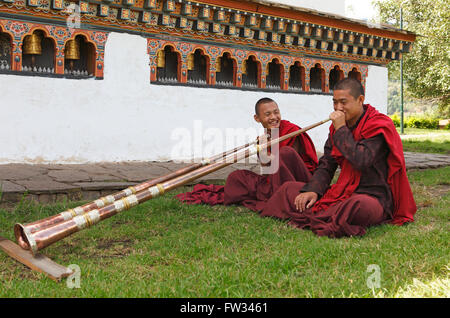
372	187
297	160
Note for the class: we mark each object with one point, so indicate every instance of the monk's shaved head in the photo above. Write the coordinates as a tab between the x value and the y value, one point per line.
264	100
355	87
267	113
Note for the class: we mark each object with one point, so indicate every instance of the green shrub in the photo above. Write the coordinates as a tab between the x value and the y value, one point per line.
412	122
433	123
396	119
423	122
417	121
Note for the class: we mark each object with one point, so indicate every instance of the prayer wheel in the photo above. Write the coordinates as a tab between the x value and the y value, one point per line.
32	45
72	50
190	62
219	64
161	59
244	67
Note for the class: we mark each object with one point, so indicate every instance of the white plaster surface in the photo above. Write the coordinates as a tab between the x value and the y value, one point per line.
125	118
377	87
330	6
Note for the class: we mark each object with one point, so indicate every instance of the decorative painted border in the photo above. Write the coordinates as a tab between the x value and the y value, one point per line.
218	22
212	52
60	35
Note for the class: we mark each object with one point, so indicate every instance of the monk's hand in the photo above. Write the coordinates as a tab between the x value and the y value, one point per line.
305	200
264	156
265	159
263	139
338	119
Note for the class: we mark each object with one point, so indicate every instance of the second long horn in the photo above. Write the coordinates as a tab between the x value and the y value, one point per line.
109	199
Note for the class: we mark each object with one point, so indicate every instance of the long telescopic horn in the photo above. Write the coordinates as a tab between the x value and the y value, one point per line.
103	201
49	235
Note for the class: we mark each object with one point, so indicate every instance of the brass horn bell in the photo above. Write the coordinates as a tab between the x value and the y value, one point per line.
72	50
32	45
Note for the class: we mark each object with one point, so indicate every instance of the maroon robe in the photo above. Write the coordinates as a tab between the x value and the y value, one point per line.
307	150
350	217
372	187
253	190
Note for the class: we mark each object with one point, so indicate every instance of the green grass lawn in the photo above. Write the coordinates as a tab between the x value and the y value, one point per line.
426	140
166	249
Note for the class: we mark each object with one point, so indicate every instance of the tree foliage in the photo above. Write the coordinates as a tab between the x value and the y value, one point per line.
427	68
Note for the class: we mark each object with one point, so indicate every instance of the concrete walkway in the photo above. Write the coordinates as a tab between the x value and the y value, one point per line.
51	183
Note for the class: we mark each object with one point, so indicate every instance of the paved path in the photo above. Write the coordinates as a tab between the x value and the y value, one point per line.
421	136
50	183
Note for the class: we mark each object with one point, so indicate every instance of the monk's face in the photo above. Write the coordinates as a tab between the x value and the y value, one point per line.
351	107
269	115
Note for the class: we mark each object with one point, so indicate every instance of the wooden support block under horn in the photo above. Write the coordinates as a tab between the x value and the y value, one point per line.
40	263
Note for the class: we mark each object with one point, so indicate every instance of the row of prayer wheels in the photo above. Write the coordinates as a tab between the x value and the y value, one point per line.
161	61
33	45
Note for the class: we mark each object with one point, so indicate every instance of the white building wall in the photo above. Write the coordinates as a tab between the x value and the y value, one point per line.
377	87
330	6
125	118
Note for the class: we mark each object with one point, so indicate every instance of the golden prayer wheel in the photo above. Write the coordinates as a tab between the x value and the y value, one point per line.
244	67
161	59
219	64
32	44
190	62
72	50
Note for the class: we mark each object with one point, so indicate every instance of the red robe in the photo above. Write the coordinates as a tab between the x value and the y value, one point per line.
309	154
374	123
346	209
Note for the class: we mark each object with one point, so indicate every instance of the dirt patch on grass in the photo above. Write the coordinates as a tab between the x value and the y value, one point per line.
437	192
119	223
99	248
114	248
427	197
15	270
442	189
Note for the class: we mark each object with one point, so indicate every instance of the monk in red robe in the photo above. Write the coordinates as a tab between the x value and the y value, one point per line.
372	187
297	159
